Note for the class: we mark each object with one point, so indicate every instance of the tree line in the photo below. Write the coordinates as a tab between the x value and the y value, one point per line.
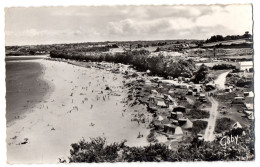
140	59
217	38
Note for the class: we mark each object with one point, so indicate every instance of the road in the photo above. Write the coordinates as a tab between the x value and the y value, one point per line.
209	132
221	80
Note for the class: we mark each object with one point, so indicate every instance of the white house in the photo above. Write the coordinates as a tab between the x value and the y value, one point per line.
244	65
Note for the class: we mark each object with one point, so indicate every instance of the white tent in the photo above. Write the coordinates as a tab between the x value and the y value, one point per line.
159	118
249	106
178	131
250	94
154	92
236	125
173	129
161	104
187	125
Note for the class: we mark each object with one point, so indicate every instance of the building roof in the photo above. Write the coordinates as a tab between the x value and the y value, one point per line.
179	113
180	107
239	98
246	63
173	112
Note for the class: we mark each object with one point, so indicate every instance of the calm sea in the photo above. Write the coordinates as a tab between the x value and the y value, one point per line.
24	87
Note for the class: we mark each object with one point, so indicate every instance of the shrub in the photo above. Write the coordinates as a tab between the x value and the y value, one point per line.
223	67
198	114
198	126
97	150
223	124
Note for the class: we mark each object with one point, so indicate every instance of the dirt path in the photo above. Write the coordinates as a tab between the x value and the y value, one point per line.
220	83
212	120
221	80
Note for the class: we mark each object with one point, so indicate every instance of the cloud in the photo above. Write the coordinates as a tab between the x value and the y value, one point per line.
80	24
133	26
236	18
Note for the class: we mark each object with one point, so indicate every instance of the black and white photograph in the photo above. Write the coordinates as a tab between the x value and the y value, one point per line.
129	83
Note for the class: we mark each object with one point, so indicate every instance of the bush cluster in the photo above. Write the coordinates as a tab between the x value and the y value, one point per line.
199	125
198	114
223	124
223	67
97	150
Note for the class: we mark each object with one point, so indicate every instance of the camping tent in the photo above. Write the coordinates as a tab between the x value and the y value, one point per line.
236	125
172	129
251	116
249	94
154	92
159	118
186	123
161	104
168	97
249	106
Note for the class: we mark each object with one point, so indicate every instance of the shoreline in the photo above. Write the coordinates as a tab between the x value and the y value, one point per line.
30	92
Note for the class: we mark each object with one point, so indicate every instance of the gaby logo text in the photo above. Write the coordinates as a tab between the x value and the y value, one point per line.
226	140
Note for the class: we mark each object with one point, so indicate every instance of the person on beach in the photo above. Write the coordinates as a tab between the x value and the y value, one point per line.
91	106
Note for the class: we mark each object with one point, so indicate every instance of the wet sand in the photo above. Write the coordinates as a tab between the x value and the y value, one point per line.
78	107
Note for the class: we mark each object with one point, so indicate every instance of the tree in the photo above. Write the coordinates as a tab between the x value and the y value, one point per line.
247	35
201	73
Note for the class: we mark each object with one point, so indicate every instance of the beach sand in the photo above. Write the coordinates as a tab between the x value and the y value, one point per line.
65	115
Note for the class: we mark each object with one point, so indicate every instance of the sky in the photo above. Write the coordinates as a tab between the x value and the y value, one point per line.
49	25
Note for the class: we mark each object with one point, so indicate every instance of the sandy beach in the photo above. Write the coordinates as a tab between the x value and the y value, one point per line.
77	106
